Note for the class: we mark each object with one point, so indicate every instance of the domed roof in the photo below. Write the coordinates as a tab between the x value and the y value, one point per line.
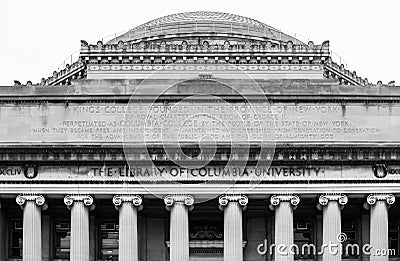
205	22
202	16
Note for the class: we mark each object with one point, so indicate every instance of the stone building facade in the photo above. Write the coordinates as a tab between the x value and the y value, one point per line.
200	136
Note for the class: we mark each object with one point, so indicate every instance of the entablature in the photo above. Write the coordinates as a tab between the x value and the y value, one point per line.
351	154
288	90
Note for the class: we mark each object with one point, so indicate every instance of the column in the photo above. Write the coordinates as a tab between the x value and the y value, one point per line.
179	205
128	206
331	205
284	206
233	230
379	224
32	226
79	206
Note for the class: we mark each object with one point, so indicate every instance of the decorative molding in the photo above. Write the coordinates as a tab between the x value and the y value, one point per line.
241	199
311	187
187	200
277	199
136	200
205	233
297	156
325	198
243	45
210	244
373	198
336	71
86	199
204	66
340	198
65	75
38	199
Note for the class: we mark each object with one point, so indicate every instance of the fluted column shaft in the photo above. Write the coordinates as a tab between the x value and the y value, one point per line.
332	225
79	232
283	205
128	206
233	231
79	243
379	224
179	226
32	226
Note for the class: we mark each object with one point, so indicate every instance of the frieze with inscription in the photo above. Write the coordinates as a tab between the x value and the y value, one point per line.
188	122
207	173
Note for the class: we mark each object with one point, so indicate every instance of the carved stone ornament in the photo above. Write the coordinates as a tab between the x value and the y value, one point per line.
136	200
277	199
373	198
340	198
38	199
241	199
187	200
205	233
86	199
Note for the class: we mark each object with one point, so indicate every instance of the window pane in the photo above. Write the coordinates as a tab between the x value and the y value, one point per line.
349	227
109	241
303	236
62	240
16	238
394	236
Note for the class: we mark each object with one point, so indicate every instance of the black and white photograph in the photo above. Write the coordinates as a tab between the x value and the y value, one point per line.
199	131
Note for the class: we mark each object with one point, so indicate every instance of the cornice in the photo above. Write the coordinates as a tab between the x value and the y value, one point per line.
262	191
223	45
120	91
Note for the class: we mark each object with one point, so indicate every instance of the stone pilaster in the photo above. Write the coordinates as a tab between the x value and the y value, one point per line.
179	205
128	206
284	206
331	205
32	226
233	231
79	206
379	224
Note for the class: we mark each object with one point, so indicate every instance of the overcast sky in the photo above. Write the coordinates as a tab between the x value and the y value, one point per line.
37	36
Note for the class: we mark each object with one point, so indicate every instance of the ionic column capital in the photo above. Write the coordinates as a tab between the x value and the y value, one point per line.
340	198
373	198
136	200
86	199
275	200
38	199
187	200
225	199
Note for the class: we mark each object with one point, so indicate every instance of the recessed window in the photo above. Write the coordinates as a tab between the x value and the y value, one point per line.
304	236
394	241
108	240
62	238
16	238
349	227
